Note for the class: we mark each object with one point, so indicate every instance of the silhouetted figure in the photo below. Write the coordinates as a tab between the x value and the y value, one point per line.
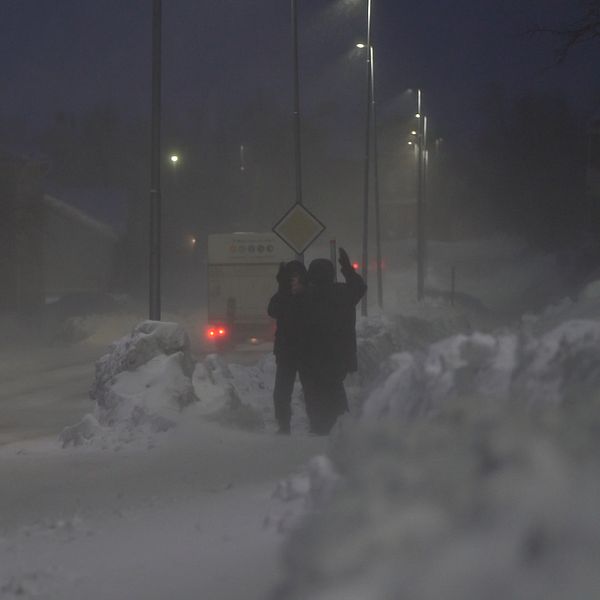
329	340
287	307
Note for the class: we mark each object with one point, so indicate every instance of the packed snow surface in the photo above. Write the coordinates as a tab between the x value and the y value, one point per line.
471	471
467	469
188	515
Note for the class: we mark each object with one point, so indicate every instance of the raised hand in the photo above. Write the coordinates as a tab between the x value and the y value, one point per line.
345	263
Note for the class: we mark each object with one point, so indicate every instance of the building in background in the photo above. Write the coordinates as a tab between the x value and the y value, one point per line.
48	248
21	233
78	250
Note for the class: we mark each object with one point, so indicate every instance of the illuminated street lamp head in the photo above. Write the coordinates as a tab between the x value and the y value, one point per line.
410	143
418	115
361	45
413	132
174	158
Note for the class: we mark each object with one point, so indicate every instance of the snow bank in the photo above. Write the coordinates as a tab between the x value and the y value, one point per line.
147	383
562	365
460	507
144	381
147	378
378	337
241	396
235	395
301	493
471	472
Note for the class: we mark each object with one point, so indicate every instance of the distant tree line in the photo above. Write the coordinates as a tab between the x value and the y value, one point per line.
522	174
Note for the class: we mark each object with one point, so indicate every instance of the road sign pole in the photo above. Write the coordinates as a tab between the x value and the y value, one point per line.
333	255
297	139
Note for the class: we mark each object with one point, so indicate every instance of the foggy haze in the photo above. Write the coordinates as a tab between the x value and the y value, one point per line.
477	343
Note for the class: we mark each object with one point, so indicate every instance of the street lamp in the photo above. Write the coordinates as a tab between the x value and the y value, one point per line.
365	240
375	173
376	176
421	173
155	152
174	158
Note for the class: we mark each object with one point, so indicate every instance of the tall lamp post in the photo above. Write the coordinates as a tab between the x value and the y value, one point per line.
297	139
421	142
376	177
365	237
155	197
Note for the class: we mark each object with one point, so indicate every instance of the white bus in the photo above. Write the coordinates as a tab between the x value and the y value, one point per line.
241	280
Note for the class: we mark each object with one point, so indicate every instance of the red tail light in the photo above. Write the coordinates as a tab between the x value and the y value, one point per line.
216	332
355	266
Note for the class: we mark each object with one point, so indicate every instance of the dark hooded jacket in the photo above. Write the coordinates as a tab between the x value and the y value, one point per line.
288	310
329	338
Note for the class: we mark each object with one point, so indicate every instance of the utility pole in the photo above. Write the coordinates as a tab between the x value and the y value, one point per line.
155	197
376	177
297	139
365	240
420	202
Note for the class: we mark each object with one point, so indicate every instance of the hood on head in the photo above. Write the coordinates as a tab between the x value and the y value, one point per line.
321	272
295	268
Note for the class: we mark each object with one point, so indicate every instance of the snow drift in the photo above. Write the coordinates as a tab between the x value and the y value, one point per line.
147	382
562	365
470	472
143	381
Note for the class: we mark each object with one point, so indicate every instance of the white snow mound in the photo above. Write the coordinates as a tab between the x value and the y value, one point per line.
143	381
560	366
471	472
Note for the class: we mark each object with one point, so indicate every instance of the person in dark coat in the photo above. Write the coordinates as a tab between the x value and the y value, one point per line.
329	340
286	306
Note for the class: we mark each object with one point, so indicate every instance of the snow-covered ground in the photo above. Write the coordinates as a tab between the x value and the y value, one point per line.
186	515
469	471
164	488
467	468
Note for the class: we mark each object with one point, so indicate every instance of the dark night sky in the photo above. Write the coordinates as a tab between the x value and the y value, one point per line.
72	54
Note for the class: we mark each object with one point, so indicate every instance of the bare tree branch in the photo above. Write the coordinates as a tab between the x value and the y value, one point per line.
583	29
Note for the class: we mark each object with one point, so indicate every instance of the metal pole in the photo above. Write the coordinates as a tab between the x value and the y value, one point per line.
155	198
333	255
425	170
376	177
297	138
420	244
365	240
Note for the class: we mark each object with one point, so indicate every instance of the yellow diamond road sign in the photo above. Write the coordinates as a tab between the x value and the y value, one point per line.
298	228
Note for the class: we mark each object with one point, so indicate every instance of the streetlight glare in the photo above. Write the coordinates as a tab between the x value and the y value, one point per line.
413	132
418	115
174	158
361	45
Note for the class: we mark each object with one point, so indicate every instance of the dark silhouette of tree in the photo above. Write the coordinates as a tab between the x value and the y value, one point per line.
583	28
529	166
